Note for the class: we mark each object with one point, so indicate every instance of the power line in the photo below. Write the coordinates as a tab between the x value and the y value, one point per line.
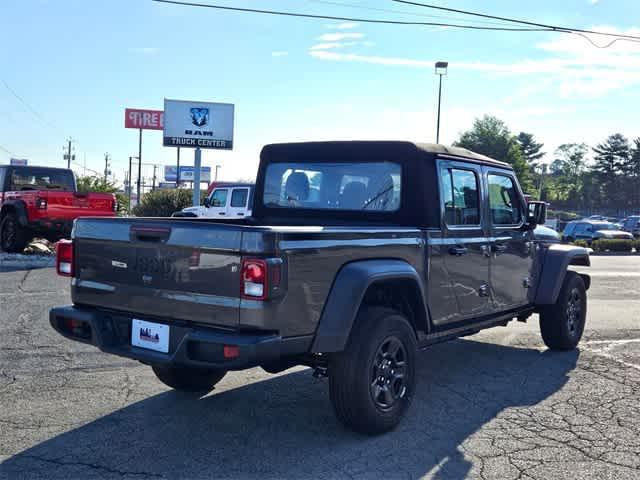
29	107
514	20
6	150
350	19
400	12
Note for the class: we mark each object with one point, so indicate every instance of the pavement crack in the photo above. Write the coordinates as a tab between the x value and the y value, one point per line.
93	466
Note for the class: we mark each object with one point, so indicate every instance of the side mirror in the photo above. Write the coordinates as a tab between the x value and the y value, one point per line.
537	213
206	202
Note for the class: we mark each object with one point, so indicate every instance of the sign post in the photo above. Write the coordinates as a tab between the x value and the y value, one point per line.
142	120
197	162
198	125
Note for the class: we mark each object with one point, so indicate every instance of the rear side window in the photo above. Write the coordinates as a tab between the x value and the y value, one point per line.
41	179
219	198
504	200
461	198
2	179
239	197
357	186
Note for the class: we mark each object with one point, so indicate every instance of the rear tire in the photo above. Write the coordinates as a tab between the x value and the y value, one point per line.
188	379
562	323
13	237
372	382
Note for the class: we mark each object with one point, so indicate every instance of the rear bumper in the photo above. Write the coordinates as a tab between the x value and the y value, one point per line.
189	345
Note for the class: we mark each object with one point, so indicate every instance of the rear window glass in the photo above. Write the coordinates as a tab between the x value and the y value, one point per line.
41	179
373	186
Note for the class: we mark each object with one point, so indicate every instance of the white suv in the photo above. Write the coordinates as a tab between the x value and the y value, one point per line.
224	201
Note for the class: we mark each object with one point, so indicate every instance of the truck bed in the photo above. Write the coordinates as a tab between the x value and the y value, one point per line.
188	270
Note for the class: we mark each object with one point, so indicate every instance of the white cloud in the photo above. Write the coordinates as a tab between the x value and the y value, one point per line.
593	2
342	26
279	53
330	45
337	37
573	66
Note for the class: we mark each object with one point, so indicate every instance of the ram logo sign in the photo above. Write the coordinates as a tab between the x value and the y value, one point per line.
198	124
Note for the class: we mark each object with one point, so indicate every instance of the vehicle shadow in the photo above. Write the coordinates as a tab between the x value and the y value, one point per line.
284	427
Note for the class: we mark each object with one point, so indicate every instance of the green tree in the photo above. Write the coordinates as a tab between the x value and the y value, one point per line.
531	150
610	157
631	170
490	136
90	183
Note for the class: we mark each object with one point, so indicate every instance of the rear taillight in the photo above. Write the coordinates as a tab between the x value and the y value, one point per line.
64	258
254	276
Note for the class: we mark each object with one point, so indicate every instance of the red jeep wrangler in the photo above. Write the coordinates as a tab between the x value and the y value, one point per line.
43	201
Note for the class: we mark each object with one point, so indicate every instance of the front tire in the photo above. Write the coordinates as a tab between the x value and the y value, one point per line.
187	379
13	237
372	382
562	323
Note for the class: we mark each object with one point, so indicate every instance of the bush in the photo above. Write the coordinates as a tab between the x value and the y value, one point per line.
164	202
612	245
581	243
636	245
562	215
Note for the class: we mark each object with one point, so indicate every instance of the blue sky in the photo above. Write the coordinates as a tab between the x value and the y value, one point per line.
79	63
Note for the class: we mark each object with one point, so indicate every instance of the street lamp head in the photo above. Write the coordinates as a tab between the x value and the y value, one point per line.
441	68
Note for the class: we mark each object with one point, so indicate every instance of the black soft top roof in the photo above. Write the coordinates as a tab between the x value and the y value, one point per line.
372	146
419	206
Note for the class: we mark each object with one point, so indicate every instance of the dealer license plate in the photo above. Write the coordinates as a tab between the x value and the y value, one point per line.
154	336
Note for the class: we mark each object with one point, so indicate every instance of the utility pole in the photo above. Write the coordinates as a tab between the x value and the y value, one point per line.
67	156
106	166
154	177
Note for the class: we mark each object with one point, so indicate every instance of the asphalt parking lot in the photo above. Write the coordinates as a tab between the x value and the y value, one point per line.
496	405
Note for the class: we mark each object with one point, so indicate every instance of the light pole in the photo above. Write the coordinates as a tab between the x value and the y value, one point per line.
441	69
215	179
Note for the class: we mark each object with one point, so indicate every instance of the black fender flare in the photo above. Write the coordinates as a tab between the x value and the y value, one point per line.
556	260
20	209
346	295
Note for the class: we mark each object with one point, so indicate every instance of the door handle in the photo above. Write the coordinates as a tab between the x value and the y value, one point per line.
240	214
221	213
458	251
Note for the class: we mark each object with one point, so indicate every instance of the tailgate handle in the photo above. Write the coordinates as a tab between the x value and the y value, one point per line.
150	234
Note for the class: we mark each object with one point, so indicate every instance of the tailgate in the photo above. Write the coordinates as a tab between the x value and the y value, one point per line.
70	205
159	268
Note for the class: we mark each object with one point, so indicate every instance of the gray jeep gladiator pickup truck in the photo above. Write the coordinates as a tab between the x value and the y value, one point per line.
357	256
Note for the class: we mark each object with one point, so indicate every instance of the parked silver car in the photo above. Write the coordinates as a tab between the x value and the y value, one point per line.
590	230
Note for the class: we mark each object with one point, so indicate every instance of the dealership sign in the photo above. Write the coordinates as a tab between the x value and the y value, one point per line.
144	119
186	173
198	125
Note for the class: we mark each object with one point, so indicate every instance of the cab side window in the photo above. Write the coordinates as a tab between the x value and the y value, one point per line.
460	193
239	197
504	200
218	198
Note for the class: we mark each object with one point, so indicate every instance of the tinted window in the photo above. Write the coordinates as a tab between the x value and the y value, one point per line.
568	230
1	179
582	228
504	200
373	186
239	197
460	193
218	198
41	179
